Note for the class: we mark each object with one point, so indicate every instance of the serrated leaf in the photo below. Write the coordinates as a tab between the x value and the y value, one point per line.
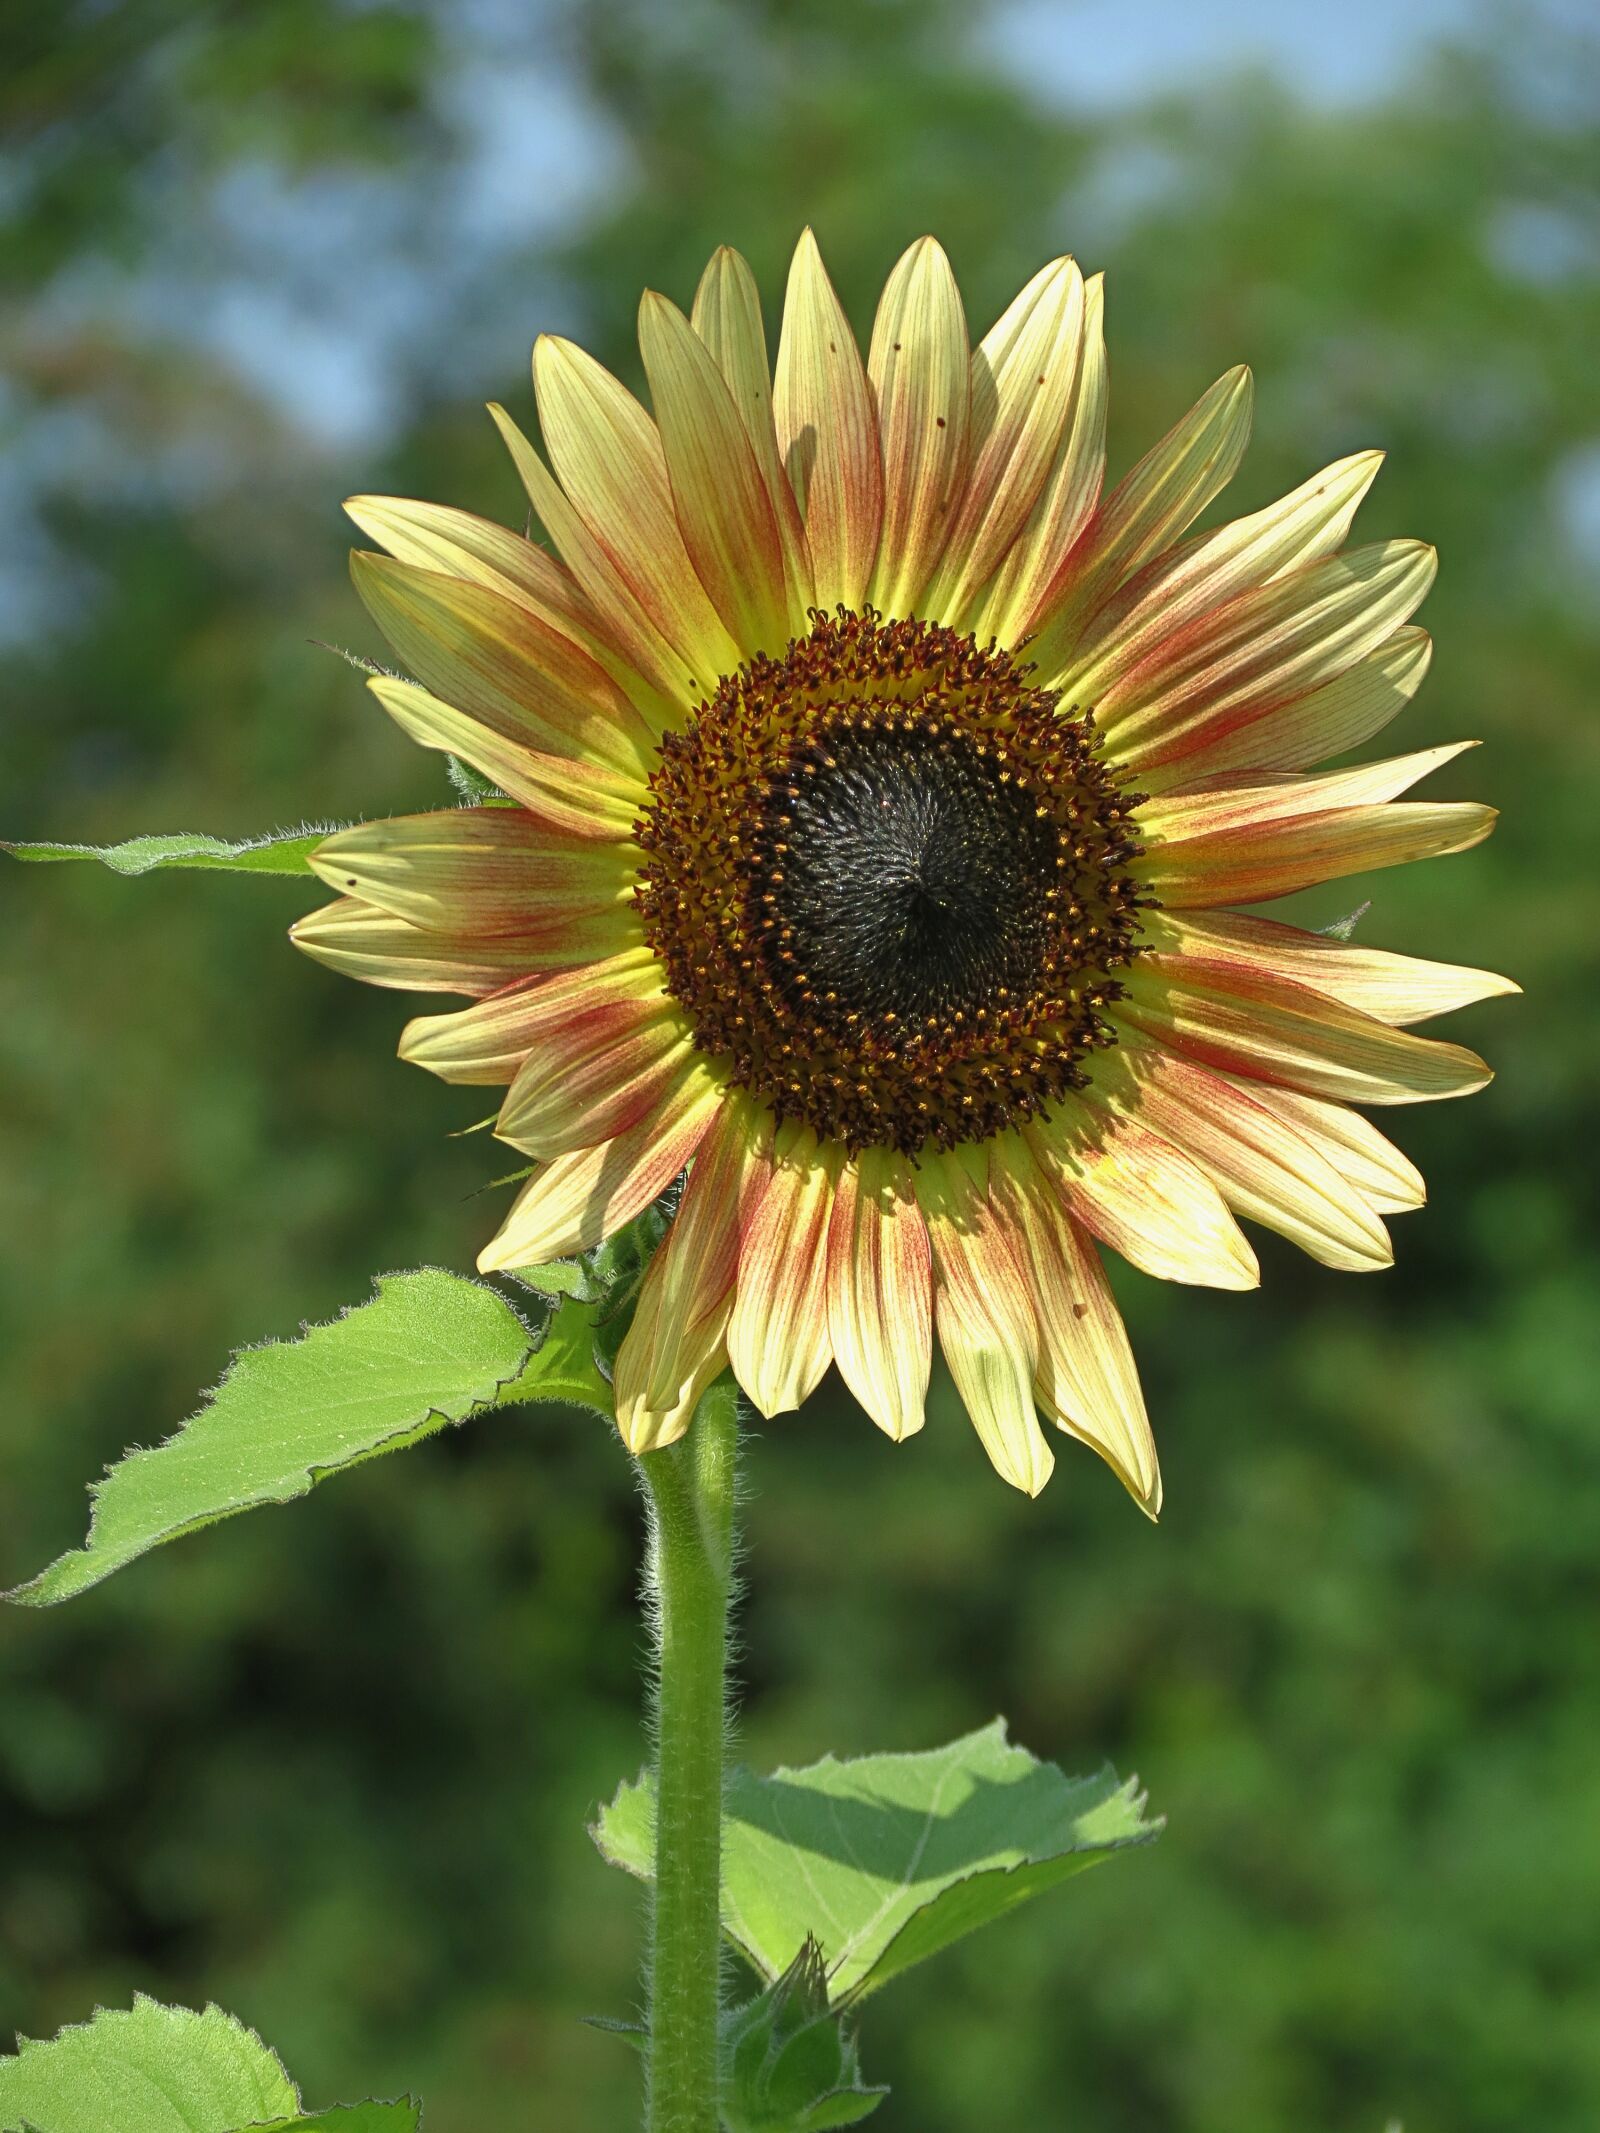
890	1858
284	854
431	1348
402	2117
149	2069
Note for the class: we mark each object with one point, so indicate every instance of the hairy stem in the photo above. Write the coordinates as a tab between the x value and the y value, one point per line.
689	1488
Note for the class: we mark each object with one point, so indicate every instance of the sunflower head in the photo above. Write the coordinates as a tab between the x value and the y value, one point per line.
878	790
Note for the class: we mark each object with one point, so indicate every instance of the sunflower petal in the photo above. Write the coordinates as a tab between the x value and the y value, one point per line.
1251	865
361	940
1142	1196
580	1199
984	1316
493	868
727	317
1242	1022
1023	375
687	1293
1148	509
1329	720
918	363
1387	1180
828	432
880	1300
724	510
1264	1169
1395	988
1070	494
607	456
486	1044
582	799
591	1067
670	679
1178	590
1086	1381
778	1336
1264	649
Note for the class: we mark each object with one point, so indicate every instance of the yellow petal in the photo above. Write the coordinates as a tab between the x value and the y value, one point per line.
1068	499
984	1316
828	432
1024	372
727	317
1395	988
778	1335
1172	595
1140	1195
1086	1381
1328	720
580	1199
918	363
1263	1167
493	869
593	1064
582	799
1368	1161
1144	514
1252	864
1262	649
487	1044
499	663
364	941
607	456
1242	1022
880	1305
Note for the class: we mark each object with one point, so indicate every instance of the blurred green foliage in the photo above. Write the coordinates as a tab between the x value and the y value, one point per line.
330	1766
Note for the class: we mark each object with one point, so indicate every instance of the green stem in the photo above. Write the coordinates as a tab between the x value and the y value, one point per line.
689	1488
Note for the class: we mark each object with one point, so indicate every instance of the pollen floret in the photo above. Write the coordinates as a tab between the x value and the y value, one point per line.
889	881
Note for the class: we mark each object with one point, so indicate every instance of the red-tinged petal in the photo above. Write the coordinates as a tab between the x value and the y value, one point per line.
880	1300
1136	1192
828	432
491	869
363	941
1264	1169
724	510
495	660
1086	1380
607	455
1387	1180
1217	804
488	1043
592	1067
984	1315
727	317
1395	988
1261	650
918	363
580	1199
1253	864
1268	1029
1176	591
1331	720
778	1339
1024	372
1069	498
439	537
1144	514
580	799
673	680
687	1294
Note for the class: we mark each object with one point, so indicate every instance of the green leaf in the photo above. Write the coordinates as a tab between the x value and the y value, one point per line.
284	854
888	1859
431	1348
402	2117
149	2069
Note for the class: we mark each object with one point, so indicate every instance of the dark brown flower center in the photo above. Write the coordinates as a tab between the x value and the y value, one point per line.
888	882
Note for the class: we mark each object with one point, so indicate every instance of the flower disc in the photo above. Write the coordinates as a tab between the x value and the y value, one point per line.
888	880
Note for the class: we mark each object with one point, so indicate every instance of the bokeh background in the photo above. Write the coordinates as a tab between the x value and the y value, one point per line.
331	1765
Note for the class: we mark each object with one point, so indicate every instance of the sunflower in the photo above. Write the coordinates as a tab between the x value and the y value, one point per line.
876	790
